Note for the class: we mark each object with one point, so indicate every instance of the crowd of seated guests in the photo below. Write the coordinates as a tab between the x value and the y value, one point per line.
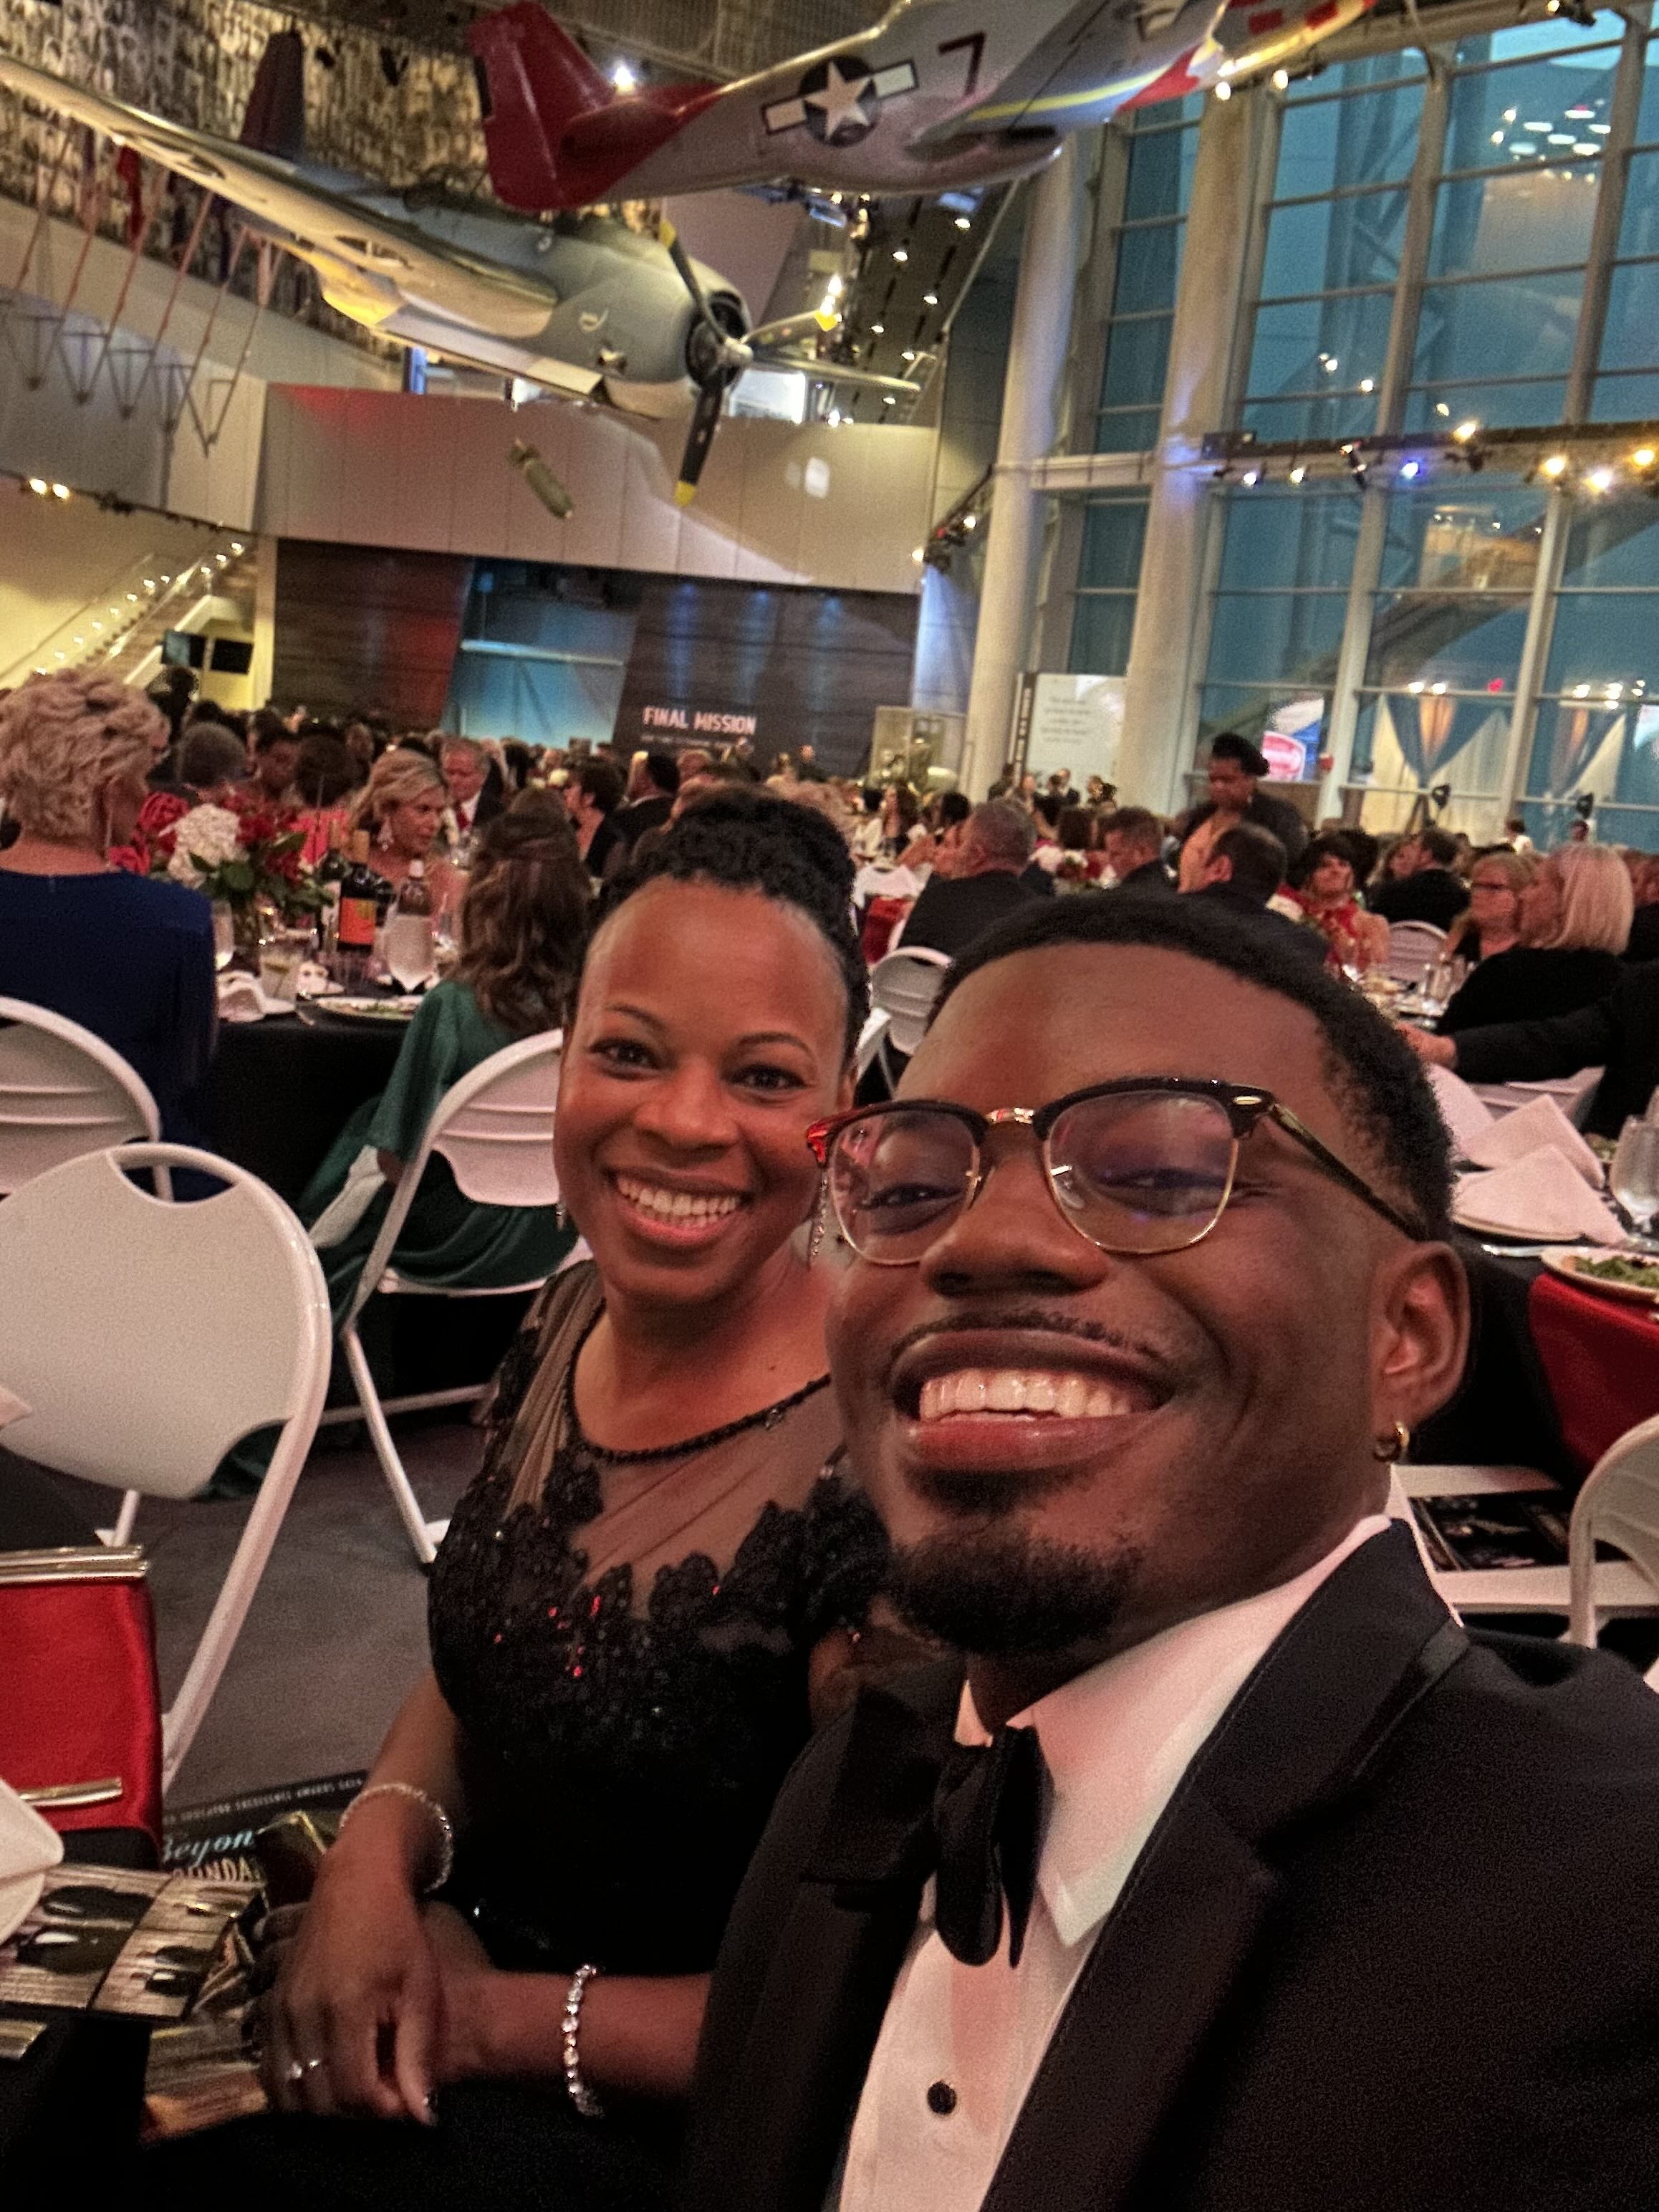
678	1562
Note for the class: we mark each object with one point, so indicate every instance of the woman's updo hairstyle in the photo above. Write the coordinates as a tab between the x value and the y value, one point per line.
62	738
749	839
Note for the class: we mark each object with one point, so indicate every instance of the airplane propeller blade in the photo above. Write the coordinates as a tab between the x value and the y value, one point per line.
704	421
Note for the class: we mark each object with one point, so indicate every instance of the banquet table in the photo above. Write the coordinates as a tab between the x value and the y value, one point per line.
1602	1359
279	1091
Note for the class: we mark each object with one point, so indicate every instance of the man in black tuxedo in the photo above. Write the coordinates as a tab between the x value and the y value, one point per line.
1235	1875
1431	890
1133	845
985	884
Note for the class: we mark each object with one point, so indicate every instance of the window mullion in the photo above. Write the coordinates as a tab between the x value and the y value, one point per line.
1622	113
1535	650
1414	247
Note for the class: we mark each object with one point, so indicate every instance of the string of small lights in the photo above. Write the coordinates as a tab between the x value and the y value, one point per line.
1588	460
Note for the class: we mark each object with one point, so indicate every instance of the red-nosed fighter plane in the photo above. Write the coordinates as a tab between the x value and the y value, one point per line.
938	94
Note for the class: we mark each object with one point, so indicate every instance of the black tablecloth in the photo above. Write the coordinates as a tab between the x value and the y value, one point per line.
279	1092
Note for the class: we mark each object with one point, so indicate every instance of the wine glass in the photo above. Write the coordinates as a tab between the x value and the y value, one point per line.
224	934
1633	1178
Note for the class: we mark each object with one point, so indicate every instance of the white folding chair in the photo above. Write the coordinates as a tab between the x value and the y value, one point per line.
903	986
1618	1505
63	1092
1413	948
147	1338
495	1129
869	1044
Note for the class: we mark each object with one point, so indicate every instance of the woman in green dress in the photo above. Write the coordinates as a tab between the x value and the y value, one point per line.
523	925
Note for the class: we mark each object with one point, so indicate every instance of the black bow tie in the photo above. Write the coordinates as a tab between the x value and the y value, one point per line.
987	1822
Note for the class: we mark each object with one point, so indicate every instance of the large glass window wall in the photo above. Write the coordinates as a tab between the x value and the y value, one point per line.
1513	305
1335	229
1146	245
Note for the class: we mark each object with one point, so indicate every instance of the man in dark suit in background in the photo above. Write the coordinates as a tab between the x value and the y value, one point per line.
1431	892
474	781
1256	1881
983	887
1133	842
653	780
1245	868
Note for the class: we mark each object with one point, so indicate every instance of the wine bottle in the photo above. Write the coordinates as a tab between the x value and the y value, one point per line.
408	931
360	891
330	872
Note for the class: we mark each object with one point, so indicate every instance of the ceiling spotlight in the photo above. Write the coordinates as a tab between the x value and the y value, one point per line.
236	545
1581	691
930	299
1600	479
908	353
1438	690
60	491
878	330
918	554
1553	465
39	486
1298	472
133	596
624	79
971	522
901	253
1415	688
1224	90
888	399
1408	470
962	223
1251	477
1643	457
1368	384
1441	408
1281	80
1465	431
149	583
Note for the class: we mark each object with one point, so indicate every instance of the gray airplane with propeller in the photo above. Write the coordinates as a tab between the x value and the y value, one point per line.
576	303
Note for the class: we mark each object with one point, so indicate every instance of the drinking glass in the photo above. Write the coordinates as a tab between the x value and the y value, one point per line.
408	949
281	955
224	934
1634	1177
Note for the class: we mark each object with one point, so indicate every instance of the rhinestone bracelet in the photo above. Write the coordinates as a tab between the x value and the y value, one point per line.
570	2028
446	1831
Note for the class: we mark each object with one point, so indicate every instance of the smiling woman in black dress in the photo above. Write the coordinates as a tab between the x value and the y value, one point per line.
657	1573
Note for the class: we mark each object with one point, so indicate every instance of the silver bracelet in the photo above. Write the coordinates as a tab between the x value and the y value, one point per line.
570	2028
446	1831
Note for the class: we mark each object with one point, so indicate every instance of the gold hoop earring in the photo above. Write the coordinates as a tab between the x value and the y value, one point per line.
1393	1446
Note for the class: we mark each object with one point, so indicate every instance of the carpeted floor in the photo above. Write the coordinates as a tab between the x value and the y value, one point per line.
337	1632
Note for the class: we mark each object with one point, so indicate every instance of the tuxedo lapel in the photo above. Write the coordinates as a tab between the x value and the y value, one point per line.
1299	1737
841	1934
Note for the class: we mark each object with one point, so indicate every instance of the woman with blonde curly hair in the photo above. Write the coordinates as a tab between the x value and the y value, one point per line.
401	807
130	958
523	925
1575	922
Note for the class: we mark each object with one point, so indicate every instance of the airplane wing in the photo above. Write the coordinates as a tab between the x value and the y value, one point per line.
370	264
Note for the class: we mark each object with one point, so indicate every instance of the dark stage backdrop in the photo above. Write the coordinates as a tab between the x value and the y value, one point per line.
783	664
358	628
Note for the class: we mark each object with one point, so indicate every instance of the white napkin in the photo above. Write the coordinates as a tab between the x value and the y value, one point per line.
28	1851
240	1000
1541	1195
1465	1116
1528	1129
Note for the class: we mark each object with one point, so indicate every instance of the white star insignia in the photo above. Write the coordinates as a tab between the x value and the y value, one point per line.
840	99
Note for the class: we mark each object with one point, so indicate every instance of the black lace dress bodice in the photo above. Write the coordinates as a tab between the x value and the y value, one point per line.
622	1748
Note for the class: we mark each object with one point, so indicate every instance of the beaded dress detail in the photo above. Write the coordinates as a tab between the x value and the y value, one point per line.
624	1641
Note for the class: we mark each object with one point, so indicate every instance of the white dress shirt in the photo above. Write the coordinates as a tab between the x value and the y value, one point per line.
960	2045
